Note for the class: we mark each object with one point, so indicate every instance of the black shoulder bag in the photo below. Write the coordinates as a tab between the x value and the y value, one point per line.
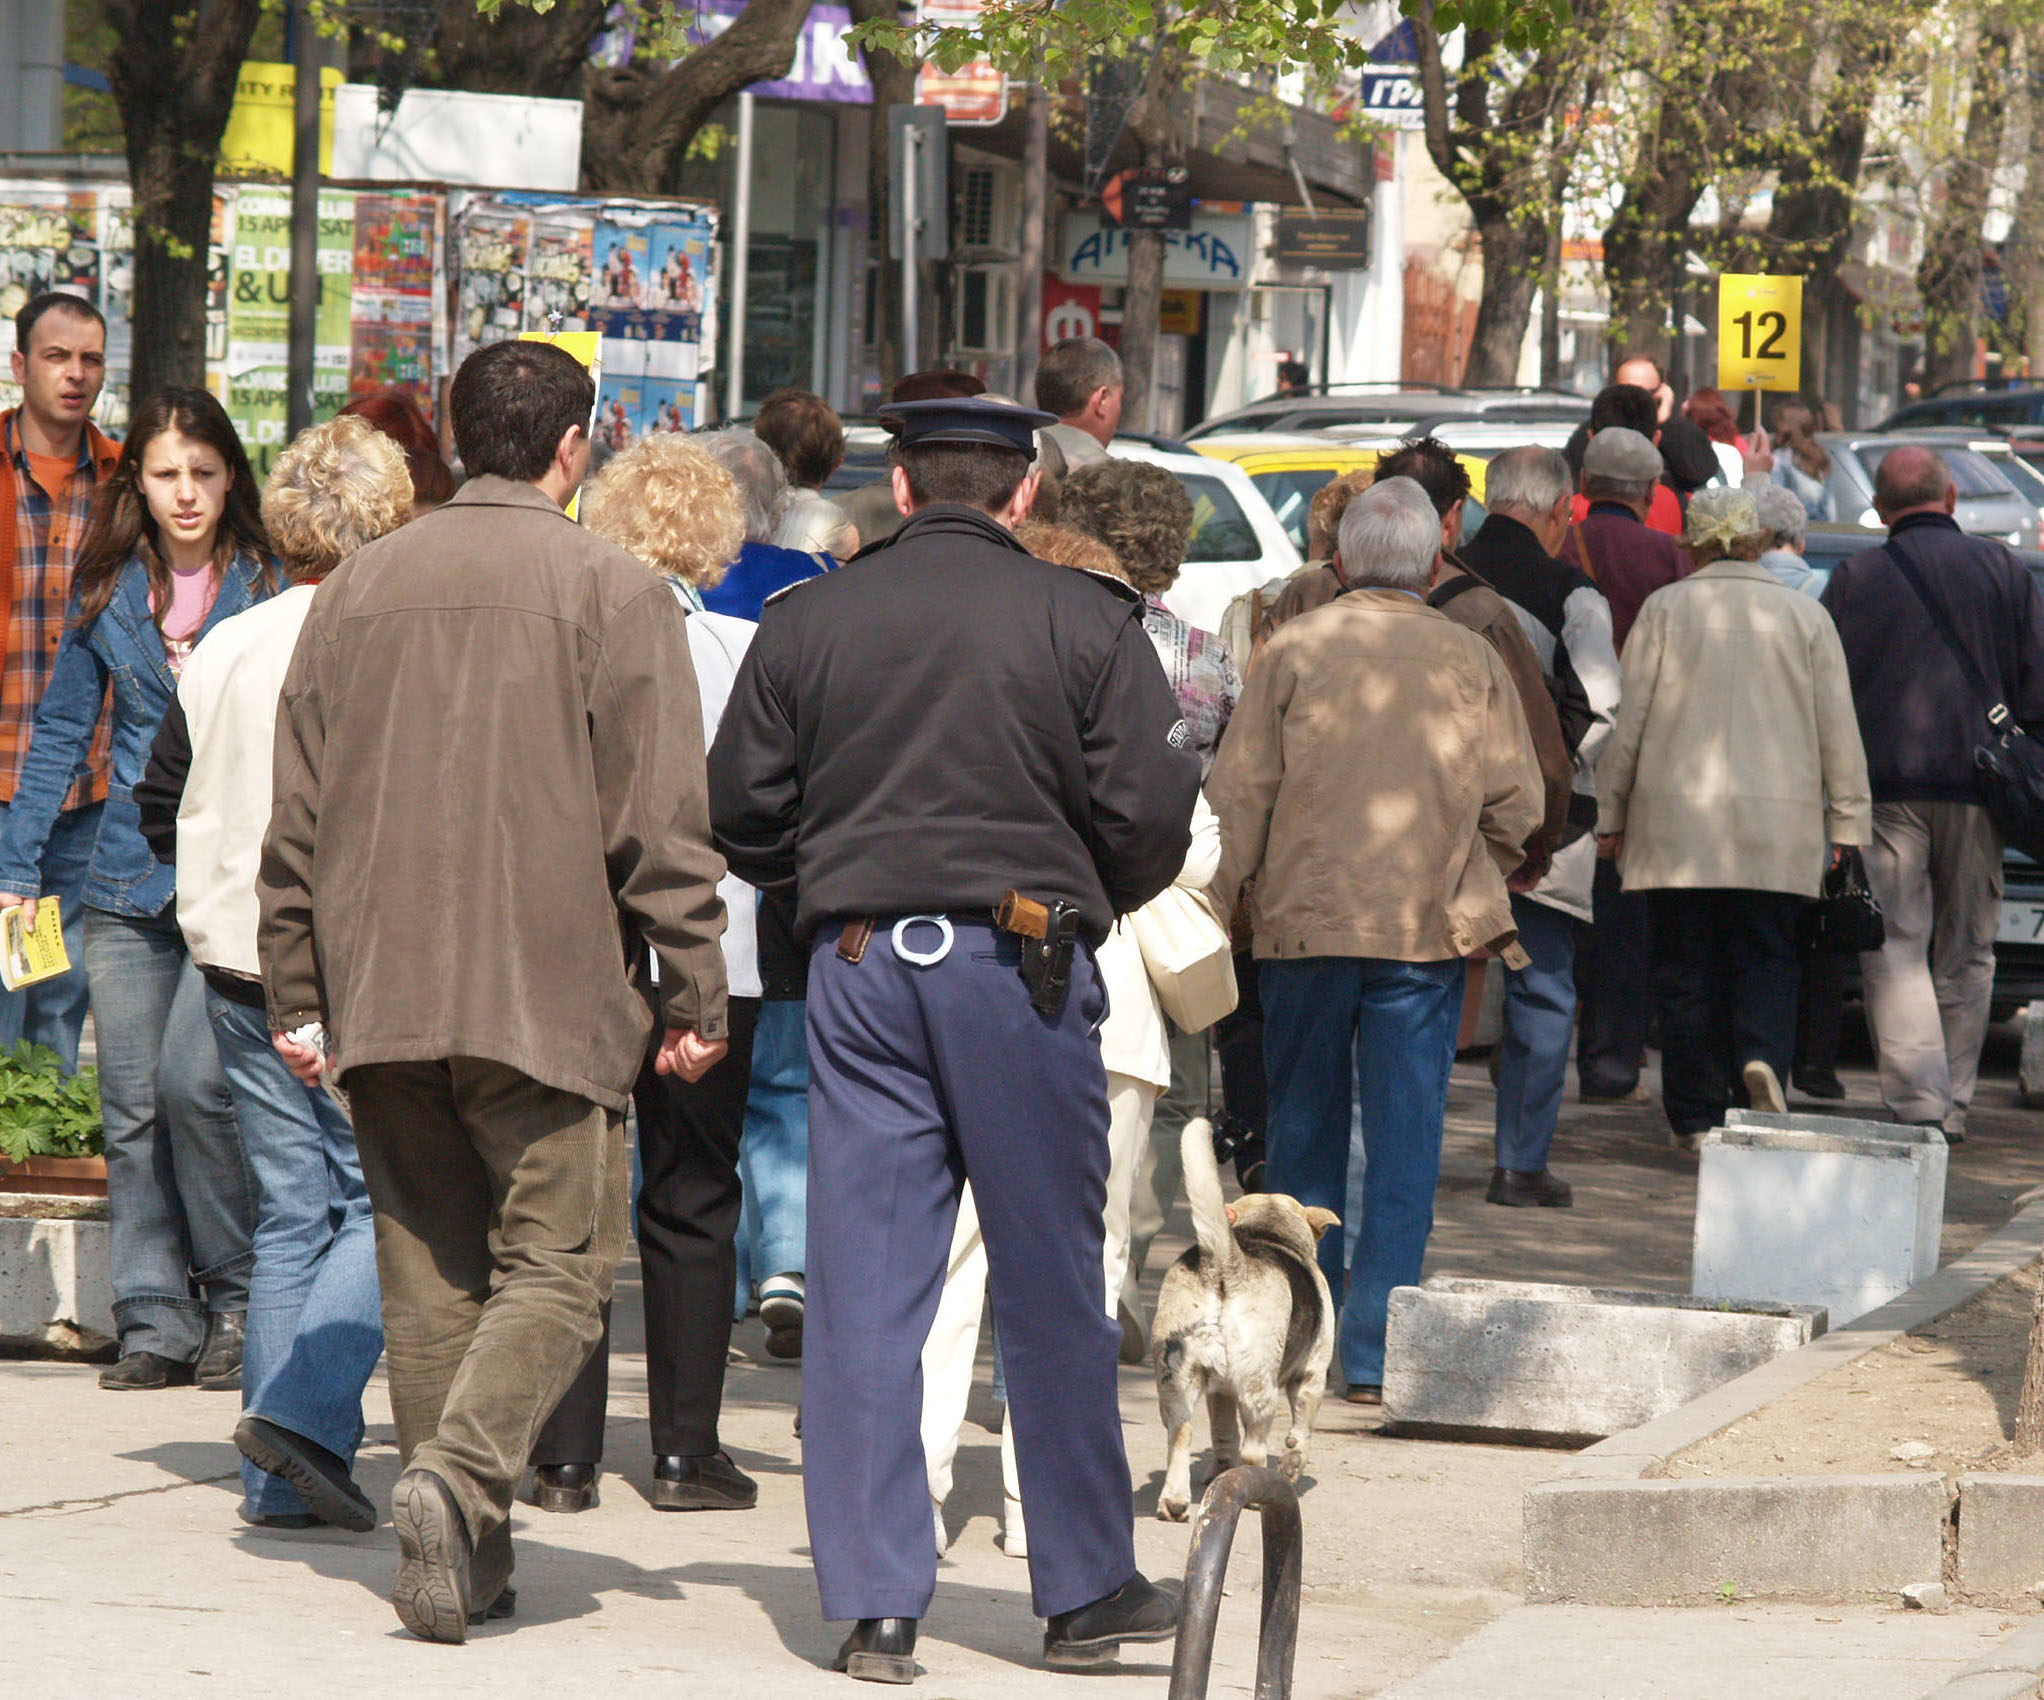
2010	763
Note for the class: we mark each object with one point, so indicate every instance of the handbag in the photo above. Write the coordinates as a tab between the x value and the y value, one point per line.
1189	957
1846	919
2010	763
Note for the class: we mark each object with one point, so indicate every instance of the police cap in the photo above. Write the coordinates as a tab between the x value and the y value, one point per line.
969	419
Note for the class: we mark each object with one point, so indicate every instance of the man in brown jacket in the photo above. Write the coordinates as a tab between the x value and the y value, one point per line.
490	798
1378	784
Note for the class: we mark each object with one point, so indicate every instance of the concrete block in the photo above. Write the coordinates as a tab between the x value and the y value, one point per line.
1567	1363
2030	1070
1817	1210
56	1286
1772	1537
2001	1537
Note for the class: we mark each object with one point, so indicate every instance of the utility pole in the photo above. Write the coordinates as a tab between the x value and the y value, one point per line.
1029	303
305	278
741	256
911	241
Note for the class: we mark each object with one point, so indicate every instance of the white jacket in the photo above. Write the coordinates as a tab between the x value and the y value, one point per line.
1134	1039
717	644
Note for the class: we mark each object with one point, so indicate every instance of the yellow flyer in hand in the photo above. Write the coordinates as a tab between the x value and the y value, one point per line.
28	957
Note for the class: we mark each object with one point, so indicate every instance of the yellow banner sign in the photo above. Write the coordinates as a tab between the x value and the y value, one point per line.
1760	333
261	125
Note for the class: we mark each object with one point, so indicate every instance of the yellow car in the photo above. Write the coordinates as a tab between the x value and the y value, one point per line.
1288	471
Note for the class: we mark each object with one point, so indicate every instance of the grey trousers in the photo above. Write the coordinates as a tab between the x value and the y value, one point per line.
1936	870
501	1208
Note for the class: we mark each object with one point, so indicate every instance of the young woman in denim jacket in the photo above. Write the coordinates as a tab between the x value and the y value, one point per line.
175	545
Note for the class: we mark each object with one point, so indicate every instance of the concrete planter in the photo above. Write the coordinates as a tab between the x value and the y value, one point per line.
56	1290
1521	1360
1818	1210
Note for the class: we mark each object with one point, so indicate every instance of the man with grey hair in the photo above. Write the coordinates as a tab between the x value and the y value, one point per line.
1377	746
1529	493
1079	379
763	566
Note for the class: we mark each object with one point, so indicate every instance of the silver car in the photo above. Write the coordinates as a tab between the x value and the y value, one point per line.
1990	505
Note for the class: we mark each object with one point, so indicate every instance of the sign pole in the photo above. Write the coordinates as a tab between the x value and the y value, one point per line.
741	245
911	239
1035	175
305	279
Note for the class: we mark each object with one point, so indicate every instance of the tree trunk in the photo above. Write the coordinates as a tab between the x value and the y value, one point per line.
894	84
637	121
519	51
1142	305
1949	276
2030	1405
173	80
1514	253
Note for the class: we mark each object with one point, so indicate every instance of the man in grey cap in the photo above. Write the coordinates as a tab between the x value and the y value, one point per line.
1628	562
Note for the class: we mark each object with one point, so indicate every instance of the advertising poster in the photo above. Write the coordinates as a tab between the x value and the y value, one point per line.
624	260
49	239
259	315
558	274
489	257
392	330
681	266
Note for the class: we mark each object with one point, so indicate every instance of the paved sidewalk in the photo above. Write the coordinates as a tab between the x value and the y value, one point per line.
124	1570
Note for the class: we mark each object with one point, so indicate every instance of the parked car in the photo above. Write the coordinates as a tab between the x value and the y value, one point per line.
1989	503
1289	470
1237	542
1999	406
1397	413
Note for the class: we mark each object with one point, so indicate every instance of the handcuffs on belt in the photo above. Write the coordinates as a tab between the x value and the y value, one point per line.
1049	933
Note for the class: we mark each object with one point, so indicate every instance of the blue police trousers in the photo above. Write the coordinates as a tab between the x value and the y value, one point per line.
923	1076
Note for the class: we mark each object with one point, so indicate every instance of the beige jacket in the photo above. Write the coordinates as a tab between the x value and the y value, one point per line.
1377	782
1737	755
1135	1039
490	786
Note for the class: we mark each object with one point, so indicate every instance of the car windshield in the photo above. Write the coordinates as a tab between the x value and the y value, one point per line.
1220	529
1976	477
2029	482
1290	494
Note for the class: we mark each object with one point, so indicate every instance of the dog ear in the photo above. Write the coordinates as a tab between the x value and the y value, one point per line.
1233	1215
1320	1220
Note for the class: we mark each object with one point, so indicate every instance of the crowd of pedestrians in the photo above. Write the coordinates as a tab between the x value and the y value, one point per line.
411	835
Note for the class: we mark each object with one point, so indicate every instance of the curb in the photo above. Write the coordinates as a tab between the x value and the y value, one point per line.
1601	1555
2010	1672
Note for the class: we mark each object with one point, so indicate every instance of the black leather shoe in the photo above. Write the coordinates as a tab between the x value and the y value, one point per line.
432	1589
321	1479
1508	1186
503	1606
564	1487
710	1483
219	1366
1138	1610
880	1649
1818	1083
278	1519
144	1372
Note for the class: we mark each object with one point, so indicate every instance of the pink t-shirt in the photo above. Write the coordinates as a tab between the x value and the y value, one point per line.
191	600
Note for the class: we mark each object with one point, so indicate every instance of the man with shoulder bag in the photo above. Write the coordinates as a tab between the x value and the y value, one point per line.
1944	641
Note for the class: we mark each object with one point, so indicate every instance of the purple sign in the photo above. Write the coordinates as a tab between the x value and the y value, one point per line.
823	67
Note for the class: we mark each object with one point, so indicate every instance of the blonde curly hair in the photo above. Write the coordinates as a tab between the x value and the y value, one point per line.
336	487
667	502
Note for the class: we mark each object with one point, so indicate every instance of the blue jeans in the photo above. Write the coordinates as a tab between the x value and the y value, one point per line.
1384	1031
773	1157
53	1012
180	1200
1540	1017
315	1320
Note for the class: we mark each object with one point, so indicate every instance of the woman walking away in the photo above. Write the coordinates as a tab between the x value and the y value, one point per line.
315	1326
1800	464
174	547
1735	763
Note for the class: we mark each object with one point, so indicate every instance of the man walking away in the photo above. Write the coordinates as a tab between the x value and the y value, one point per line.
56	460
1378	784
1079	380
941	726
1569	623
489	764
1935	862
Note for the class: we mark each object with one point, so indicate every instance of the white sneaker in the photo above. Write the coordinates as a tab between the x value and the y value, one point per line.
780	1308
1763	1088
1014	1532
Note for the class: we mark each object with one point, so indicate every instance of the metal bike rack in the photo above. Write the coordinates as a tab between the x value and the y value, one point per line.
1206	1567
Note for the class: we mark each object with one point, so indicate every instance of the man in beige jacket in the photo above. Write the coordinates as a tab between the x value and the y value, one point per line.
490	799
1378	784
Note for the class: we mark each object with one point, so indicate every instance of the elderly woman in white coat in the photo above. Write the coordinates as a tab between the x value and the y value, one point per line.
1135	1046
1735	776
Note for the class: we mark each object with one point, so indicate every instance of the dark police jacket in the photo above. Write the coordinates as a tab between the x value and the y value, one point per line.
945	718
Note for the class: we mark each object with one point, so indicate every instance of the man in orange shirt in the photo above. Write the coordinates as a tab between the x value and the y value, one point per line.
55	461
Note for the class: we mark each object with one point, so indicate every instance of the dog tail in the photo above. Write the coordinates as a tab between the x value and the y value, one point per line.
1203	1192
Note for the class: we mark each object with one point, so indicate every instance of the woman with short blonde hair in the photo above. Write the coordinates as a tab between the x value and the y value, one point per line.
338	486
668	502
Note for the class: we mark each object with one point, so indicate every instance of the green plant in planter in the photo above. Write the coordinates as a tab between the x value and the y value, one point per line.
43	1111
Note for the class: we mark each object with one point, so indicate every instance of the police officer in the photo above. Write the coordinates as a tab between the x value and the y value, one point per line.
966	762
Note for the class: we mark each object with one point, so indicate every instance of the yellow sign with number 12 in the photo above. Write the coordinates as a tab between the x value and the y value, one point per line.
1760	333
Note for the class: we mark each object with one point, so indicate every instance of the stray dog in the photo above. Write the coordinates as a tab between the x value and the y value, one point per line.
1245	1319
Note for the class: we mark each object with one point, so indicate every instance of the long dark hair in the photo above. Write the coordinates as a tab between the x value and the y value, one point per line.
122	526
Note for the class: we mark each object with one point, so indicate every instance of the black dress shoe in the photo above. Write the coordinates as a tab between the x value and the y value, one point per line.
278	1519
143	1372
708	1483
431	1593
219	1366
1508	1186
1818	1083
1138	1610
880	1649
503	1606
321	1478
564	1487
